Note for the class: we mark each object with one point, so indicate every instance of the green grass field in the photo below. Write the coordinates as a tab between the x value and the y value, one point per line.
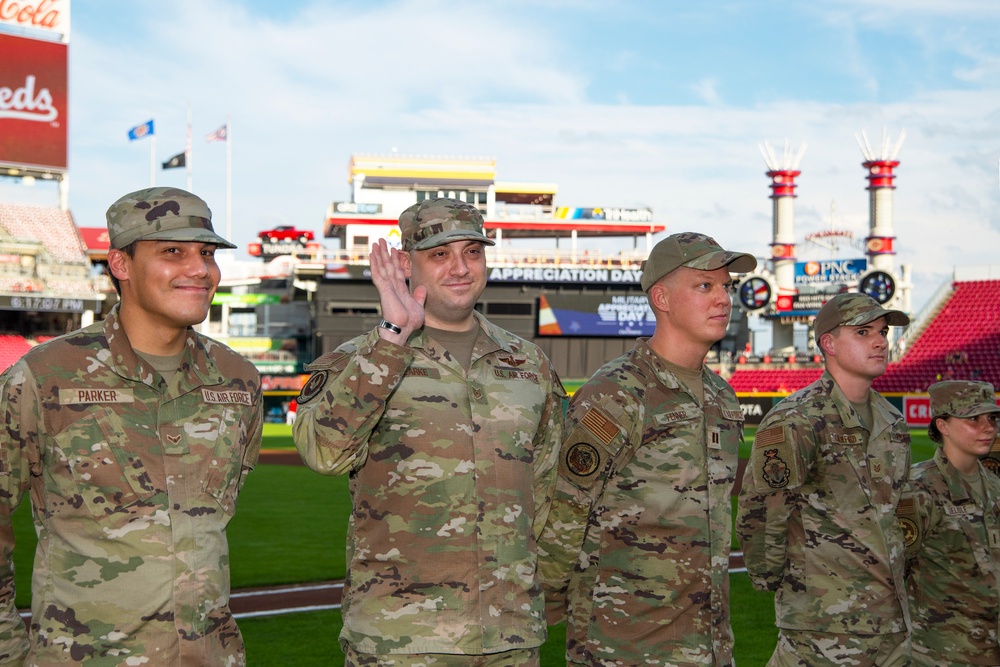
291	526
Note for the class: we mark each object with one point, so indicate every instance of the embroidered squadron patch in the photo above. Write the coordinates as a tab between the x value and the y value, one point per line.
313	386
582	459
905	509
991	463
909	528
774	470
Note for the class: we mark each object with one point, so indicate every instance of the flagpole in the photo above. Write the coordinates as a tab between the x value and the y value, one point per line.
187	150
152	161
229	181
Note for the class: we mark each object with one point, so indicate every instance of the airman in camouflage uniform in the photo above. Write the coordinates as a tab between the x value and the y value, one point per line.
449	427
950	515
133	436
639	535
817	507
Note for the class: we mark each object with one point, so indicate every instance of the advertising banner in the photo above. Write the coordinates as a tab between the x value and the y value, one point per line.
33	103
829	271
917	410
595	315
48	17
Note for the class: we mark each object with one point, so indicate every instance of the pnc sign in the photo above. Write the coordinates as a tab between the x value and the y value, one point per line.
829	271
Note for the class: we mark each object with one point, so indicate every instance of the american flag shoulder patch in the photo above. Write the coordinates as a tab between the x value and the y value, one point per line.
905	506
598	424
770	437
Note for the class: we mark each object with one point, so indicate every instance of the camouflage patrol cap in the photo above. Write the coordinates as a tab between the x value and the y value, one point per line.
695	251
161	214
435	222
854	309
962	398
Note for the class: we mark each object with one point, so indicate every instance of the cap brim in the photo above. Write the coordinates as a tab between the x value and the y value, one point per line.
894	318
188	234
736	262
976	410
451	236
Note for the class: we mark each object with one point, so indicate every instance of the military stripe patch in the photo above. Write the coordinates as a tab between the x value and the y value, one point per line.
906	506
770	437
603	428
84	395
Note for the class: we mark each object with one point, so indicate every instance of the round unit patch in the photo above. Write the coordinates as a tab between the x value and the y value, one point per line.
582	459
909	527
313	386
991	463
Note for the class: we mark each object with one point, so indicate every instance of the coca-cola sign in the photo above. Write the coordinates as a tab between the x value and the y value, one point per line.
50	16
33	102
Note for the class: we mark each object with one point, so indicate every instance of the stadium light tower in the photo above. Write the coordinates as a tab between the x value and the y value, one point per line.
881	280
783	171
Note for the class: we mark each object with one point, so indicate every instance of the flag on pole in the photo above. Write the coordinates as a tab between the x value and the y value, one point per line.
219	135
179	160
141	131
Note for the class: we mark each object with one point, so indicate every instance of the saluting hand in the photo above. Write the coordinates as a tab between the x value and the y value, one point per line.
398	305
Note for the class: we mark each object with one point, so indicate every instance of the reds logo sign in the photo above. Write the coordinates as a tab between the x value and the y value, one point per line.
33	102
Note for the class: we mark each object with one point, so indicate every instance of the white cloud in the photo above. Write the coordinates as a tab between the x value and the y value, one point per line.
309	88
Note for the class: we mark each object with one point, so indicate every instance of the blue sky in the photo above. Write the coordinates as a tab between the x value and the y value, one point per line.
630	103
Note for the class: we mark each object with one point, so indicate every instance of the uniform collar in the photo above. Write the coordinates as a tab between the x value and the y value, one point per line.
197	367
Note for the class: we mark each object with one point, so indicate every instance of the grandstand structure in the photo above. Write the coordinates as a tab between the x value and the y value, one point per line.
956	336
47	284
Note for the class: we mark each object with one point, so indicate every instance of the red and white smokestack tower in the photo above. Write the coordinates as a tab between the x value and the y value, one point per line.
880	165
783	173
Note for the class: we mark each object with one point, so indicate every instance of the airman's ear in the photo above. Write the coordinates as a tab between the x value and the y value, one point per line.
118	264
405	263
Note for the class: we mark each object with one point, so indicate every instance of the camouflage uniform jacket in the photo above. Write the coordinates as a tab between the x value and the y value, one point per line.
640	531
451	476
817	513
953	563
132	482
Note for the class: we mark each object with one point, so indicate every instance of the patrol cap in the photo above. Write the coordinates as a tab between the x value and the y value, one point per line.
161	214
695	251
962	398
854	309
435	222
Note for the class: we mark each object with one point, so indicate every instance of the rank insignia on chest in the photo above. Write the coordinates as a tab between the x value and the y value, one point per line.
715	438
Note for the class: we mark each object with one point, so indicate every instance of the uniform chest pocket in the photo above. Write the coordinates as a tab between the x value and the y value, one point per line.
94	467
220	442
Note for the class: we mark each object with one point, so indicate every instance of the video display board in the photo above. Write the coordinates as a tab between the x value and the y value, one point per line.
34	103
615	315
